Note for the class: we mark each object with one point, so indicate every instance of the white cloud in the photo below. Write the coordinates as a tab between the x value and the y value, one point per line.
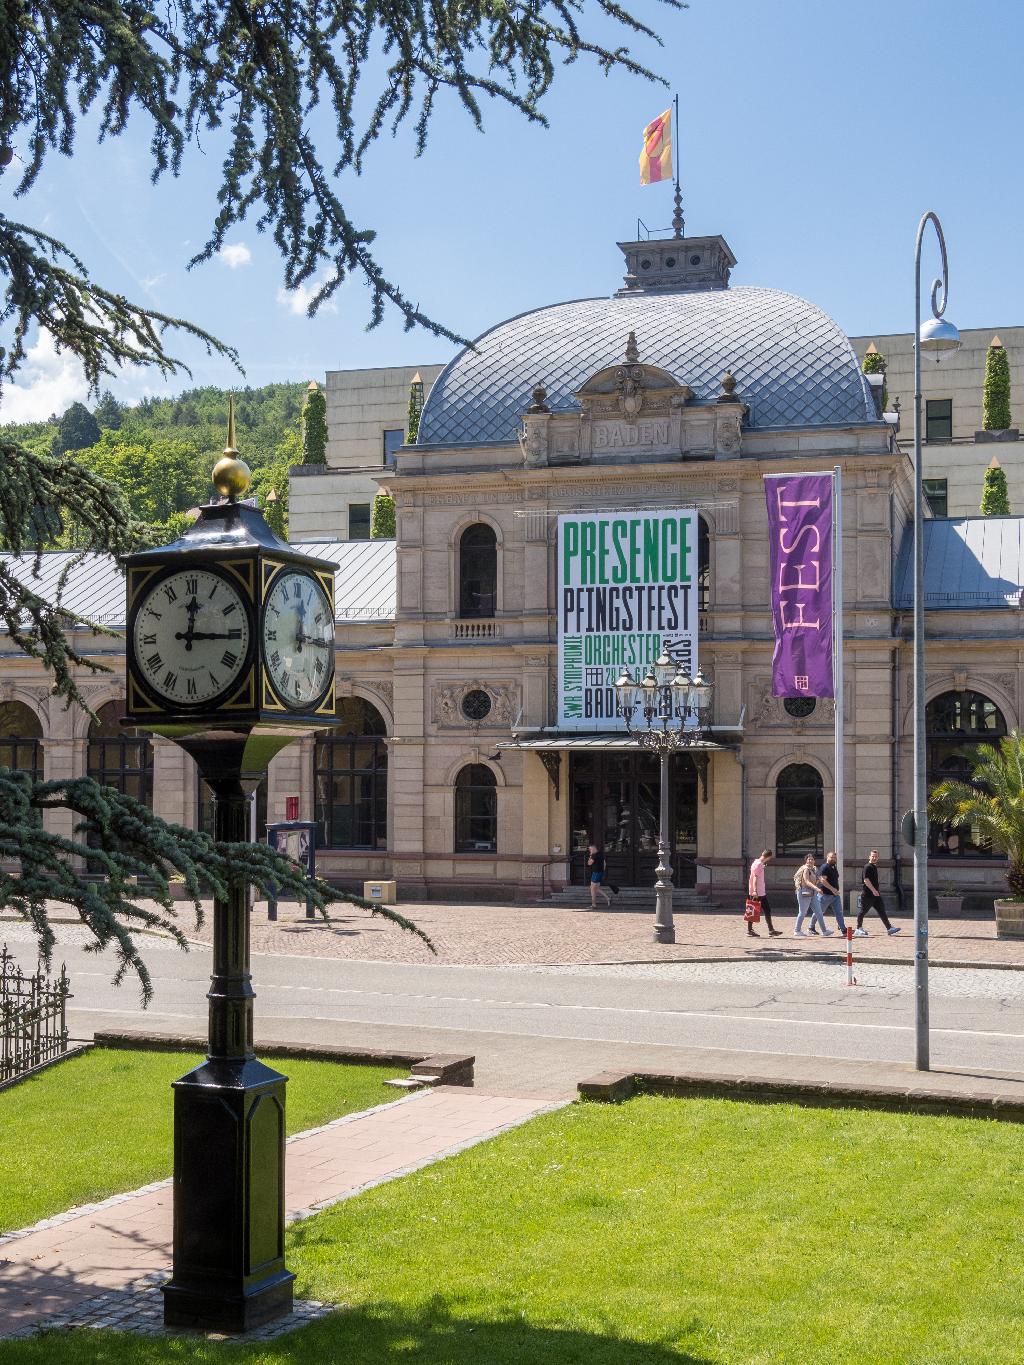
297	300
235	254
48	382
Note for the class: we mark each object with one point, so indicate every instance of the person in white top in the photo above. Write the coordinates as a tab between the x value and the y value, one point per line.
805	880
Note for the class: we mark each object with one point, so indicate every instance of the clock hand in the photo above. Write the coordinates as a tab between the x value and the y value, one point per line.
189	636
191	606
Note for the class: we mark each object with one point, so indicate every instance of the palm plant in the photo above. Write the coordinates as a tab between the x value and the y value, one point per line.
992	803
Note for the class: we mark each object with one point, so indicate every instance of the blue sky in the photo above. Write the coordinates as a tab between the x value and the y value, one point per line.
813	135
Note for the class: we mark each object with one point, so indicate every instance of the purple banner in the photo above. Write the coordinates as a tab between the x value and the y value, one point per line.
800	539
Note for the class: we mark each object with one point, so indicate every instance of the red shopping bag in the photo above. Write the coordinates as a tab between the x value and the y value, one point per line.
752	910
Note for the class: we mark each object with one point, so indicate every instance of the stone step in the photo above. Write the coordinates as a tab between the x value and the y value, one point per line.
687	898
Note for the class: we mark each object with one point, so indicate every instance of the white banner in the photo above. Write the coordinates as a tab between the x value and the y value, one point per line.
627	587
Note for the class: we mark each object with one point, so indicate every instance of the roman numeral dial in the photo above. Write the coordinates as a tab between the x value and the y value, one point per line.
190	638
298	639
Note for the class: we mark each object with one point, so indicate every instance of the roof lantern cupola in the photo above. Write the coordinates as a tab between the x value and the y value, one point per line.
675	265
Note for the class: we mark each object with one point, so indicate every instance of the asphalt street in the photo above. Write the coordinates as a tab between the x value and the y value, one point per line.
771	1009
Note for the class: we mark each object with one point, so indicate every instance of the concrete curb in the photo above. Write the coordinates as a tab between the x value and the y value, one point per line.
958	964
442	1068
612	1087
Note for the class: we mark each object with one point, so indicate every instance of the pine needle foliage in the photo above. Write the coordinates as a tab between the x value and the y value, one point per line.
258	75
125	841
992	803
995	496
996	391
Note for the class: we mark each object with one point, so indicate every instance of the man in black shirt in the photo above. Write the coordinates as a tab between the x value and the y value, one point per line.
870	898
829	895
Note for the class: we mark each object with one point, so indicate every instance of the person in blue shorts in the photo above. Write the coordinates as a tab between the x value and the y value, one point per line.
596	868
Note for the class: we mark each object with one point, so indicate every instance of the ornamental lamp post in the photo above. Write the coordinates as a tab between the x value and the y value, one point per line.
937	338
674	708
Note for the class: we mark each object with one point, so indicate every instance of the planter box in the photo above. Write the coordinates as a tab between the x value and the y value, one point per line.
1007	434
949	905
1009	919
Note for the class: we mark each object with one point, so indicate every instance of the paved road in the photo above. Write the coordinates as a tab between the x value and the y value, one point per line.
546	1027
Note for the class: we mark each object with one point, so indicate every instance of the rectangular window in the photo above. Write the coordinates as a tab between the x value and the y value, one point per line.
392	440
359	521
938	419
937	496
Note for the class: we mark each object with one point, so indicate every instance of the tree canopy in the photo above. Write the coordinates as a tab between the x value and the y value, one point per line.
293	94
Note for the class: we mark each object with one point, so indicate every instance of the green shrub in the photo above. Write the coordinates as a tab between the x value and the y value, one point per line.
382	519
874	362
996	394
314	426
995	498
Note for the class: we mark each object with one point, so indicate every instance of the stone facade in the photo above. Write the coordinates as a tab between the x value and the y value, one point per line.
960	461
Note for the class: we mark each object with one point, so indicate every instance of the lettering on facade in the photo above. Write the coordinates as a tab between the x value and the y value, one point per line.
649	433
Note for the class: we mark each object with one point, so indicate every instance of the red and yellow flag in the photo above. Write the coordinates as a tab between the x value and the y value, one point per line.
656	157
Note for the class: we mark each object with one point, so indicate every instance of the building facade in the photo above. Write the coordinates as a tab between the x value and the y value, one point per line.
450	771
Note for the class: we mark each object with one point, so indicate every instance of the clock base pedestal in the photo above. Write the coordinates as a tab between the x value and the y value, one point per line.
229	1128
228	1271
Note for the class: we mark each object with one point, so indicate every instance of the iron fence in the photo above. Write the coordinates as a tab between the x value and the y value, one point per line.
33	1017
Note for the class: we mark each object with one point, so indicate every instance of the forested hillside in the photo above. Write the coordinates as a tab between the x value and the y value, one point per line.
160	451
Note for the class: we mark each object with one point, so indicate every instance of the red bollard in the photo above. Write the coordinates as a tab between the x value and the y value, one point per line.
851	980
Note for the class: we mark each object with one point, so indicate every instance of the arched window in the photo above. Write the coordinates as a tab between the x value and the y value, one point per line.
703	565
120	757
478	571
20	736
799	811
350	778
955	724
476	810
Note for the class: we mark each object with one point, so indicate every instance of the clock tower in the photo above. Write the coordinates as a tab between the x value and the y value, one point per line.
230	653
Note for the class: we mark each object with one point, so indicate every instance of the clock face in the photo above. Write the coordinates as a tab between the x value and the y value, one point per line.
298	639
191	637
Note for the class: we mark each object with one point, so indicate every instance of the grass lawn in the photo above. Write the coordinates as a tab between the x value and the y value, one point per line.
660	1232
101	1123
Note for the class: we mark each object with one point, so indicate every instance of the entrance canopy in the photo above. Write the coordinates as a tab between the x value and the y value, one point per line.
622	743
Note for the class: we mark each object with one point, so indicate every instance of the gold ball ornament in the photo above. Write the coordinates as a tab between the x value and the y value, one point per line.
231	476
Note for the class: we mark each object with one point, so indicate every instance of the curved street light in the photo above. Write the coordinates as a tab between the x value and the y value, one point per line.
674	709
936	338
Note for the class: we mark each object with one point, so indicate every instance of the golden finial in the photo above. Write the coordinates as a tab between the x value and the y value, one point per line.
996	342
231	476
312	386
872	349
417	379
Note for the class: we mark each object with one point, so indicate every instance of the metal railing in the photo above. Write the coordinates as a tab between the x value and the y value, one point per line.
33	1017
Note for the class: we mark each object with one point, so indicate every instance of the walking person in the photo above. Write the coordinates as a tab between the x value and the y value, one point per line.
830	896
595	861
756	890
805	880
870	898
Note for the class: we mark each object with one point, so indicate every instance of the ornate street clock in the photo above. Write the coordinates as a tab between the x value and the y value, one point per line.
230	653
229	624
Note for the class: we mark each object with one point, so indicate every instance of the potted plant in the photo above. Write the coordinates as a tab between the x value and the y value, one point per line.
995	402
992	804
948	899
995	499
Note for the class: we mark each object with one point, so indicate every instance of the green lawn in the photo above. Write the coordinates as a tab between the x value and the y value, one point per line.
101	1123
664	1231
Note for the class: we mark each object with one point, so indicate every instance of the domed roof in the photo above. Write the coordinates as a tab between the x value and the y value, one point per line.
793	365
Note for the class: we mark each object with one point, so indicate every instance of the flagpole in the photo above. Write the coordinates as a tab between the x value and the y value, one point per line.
677	217
837	665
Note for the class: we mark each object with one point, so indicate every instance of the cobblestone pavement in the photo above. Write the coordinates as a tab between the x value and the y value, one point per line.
495	935
547	935
64	1269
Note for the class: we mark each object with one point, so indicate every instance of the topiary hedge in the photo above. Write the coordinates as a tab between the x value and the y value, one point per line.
382	519
996	395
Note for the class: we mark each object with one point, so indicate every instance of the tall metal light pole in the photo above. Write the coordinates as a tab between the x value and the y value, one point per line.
937	337
674	707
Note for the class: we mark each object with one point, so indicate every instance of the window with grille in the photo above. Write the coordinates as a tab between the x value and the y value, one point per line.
350	778
799	811
476	810
955	724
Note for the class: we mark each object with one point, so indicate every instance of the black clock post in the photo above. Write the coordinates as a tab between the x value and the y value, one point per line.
230	654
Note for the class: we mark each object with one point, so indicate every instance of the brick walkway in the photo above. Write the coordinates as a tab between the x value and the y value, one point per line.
71	1259
534	935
